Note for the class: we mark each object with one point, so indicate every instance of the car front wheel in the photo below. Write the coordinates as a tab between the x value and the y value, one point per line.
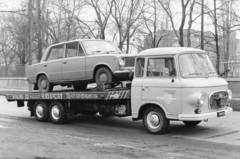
103	75
44	85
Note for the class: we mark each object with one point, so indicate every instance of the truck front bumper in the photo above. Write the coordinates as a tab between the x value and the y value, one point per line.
195	117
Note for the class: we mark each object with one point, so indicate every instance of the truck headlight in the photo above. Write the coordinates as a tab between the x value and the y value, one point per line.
121	62
201	99
229	95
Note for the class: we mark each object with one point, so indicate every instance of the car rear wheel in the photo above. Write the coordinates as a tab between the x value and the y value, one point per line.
80	86
103	75
44	85
192	123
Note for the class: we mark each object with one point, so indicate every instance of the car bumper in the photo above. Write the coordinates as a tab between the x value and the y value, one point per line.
194	117
123	73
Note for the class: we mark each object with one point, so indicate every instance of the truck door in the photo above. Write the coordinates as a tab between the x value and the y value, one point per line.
136	90
161	84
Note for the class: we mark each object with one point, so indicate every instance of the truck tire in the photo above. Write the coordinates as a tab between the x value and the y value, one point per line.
192	123
154	120
58	113
103	75
43	84
41	111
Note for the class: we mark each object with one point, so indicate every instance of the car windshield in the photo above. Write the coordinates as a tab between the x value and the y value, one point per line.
196	65
100	47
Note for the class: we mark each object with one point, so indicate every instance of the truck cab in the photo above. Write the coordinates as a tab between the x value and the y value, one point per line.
177	84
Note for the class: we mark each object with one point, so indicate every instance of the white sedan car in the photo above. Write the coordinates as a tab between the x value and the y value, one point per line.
79	63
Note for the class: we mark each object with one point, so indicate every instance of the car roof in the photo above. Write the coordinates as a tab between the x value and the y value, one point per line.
169	51
78	40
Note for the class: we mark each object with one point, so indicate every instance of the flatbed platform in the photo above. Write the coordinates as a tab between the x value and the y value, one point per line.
110	94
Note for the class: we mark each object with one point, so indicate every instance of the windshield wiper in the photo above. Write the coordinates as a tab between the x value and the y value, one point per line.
110	51
195	73
97	51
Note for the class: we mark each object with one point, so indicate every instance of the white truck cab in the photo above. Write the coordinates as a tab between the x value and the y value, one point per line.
177	84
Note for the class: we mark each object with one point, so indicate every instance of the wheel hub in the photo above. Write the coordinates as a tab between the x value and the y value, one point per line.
55	112
39	110
153	120
103	78
44	83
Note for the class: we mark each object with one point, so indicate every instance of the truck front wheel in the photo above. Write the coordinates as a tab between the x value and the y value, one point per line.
41	111
58	113
154	120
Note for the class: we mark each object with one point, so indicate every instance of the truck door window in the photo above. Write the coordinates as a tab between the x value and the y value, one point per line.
161	67
139	67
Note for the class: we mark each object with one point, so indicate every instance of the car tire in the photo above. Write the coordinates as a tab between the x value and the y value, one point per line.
80	86
154	120
103	75
44	85
192	123
41	111
58	113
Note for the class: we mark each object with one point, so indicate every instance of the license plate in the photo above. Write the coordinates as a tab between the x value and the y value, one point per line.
219	114
223	102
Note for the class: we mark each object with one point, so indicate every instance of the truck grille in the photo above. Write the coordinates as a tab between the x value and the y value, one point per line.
218	100
129	61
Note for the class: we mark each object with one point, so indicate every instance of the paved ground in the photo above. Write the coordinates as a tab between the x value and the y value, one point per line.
91	137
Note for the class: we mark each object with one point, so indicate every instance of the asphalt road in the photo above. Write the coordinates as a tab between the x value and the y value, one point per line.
91	137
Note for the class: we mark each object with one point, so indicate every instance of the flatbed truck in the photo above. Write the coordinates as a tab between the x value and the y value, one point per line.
155	95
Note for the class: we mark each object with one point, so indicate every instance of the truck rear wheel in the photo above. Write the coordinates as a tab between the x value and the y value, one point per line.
41	111
58	113
154	120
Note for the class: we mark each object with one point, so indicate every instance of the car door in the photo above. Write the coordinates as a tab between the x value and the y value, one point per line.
161	84
74	63
53	63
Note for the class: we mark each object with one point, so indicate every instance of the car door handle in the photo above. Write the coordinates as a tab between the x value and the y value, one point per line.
64	62
45	65
145	88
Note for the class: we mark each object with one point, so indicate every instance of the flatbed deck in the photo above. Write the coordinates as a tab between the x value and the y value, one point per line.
110	94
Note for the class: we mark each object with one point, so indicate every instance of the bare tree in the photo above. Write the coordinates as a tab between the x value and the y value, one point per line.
127	15
103	12
153	21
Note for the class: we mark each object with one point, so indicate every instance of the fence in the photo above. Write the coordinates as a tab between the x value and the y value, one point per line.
230	68
13	71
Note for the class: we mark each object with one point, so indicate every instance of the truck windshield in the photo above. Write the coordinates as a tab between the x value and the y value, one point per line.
196	65
100	47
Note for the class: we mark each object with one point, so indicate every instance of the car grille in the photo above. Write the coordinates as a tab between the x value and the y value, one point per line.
129	61
218	100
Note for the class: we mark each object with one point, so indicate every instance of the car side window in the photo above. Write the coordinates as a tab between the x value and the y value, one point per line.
140	62
80	50
161	67
71	50
56	52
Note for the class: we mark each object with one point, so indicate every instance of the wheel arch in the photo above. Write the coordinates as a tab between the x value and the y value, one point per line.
145	106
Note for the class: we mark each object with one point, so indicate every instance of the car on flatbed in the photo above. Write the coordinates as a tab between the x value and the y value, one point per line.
78	63
178	84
